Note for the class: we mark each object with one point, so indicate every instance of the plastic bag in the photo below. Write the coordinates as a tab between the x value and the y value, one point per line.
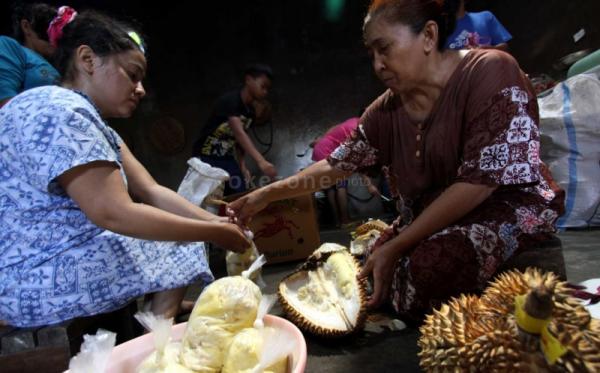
202	181
224	308
94	353
165	358
237	263
570	134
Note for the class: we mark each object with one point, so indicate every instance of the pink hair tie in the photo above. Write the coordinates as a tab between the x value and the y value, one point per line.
64	15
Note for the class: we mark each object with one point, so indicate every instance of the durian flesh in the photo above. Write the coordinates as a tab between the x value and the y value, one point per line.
326	298
224	308
168	363
245	352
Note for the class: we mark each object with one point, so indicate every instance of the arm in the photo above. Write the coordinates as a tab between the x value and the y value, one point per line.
315	177
246	144
369	184
240	155
98	189
454	203
144	188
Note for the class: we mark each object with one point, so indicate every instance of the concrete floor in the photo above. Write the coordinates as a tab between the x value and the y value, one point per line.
396	351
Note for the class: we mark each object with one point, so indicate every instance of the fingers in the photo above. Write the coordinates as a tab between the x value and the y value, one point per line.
366	270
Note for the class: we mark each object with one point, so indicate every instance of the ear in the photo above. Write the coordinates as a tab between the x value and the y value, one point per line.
431	36
26	27
85	59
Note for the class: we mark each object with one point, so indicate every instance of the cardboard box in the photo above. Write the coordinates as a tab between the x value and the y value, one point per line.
286	230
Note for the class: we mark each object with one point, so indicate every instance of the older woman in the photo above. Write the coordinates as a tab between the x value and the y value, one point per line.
457	135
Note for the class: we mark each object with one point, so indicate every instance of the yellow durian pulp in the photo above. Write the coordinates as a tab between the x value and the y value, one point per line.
168	363
245	352
223	309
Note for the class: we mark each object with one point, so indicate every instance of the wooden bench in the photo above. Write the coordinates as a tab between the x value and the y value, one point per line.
48	349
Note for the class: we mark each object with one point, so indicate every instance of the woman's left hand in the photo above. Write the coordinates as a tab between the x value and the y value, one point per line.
381	265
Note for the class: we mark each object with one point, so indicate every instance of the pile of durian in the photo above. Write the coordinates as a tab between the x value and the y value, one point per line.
523	322
324	296
223	334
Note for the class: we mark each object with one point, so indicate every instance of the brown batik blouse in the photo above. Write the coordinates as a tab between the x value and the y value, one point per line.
483	129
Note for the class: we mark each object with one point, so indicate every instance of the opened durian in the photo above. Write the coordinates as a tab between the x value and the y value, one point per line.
523	322
224	308
324	296
365	236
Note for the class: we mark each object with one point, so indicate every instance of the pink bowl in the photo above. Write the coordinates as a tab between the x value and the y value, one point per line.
127	356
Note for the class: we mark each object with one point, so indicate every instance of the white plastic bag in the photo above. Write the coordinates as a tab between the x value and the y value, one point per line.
165	357
94	353
201	181
237	263
570	146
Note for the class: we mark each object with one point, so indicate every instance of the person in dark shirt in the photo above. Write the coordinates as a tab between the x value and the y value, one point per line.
223	141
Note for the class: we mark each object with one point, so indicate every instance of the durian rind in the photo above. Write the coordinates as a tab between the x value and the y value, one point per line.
322	319
469	333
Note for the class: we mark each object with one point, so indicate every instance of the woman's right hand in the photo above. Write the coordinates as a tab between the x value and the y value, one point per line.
231	237
244	208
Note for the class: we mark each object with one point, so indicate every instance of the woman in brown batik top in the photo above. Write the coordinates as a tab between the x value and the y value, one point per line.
457	135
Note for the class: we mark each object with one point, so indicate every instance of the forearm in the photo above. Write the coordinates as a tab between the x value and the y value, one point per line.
151	223
166	199
453	204
313	178
248	146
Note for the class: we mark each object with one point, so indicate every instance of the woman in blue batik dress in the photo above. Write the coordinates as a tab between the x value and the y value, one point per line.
84	228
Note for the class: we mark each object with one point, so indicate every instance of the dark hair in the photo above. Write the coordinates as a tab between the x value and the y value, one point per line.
104	35
257	70
416	13
39	16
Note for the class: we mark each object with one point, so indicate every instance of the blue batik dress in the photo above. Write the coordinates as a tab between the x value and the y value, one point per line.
55	264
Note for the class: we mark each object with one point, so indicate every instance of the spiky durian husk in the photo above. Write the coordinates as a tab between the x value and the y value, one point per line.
303	323
480	334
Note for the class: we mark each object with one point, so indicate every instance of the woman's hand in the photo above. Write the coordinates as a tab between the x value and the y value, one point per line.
244	208
381	265
268	169
230	237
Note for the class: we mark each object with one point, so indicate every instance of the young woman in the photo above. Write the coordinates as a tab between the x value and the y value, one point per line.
84	228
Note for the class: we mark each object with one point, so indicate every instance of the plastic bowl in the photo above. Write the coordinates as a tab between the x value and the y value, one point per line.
125	357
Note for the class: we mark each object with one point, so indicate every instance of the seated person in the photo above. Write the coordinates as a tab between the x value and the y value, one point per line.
84	228
224	141
337	194
457	135
478	30
23	60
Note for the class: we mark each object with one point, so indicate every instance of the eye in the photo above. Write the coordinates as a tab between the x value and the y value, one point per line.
384	48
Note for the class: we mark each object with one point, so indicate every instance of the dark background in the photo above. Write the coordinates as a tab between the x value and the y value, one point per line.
322	72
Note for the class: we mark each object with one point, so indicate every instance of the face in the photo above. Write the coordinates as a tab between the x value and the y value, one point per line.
258	87
34	42
116	83
397	54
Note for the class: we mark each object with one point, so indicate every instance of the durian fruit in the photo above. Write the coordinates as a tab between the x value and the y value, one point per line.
237	263
324	296
375	224
224	308
245	351
473	334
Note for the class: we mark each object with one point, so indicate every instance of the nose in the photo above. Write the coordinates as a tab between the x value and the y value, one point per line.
139	90
378	64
